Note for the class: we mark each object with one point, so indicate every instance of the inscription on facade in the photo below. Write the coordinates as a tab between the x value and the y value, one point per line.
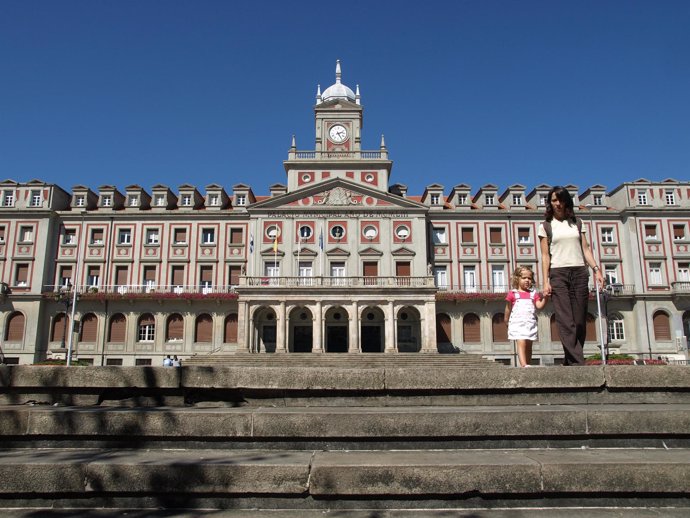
335	214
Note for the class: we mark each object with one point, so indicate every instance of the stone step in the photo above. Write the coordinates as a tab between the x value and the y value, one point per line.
556	426
289	479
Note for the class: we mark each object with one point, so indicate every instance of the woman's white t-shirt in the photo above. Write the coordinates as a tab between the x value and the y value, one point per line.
566	244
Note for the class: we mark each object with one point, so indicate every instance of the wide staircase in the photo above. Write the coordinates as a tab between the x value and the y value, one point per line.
379	441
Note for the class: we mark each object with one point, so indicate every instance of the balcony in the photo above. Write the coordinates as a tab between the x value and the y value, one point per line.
149	291
618	290
680	288
338	282
338	155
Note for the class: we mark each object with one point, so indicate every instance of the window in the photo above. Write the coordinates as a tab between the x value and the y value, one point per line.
142	362
670	197
174	328
107	201
435	199
180	236
402	231
370	232
598	200
36	199
21	275
683	272
117	329
97	236
234	274
642	197
241	200
203	328
8	198
124	236
441	277
470	279
679	232
147	328
611	274
272	271
495	236
338	271
236	236
65	276
542	200
26	234
177	275
93	276
443	329
523	235
337	232
2	234
655	278
230	334
152	236
650	233
113	362
205	278
186	200
403	271
607	235
662	326
305	232
499	330
305	272
439	236
69	237
89	328
134	200
462	199
149	278
160	200
121	276
14	331
489	199
517	199
208	236
498	279
214	200
616	327
467	234
80	201
272	232
471	329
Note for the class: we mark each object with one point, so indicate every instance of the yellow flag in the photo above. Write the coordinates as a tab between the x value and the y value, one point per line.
275	244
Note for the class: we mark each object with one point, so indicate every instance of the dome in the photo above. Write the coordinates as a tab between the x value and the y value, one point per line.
338	90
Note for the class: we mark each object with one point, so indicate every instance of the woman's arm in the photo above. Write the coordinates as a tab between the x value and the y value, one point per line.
545	265
589	259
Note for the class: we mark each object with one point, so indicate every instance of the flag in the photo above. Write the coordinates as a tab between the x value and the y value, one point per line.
321	240
251	243
275	244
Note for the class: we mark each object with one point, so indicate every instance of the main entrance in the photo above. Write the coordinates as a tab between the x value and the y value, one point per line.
302	340
336	339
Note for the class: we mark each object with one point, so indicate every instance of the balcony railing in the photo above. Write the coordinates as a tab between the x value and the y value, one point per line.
339	282
338	155
474	288
152	291
681	287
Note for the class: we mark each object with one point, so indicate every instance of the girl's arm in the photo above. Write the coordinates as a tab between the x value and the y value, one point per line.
545	265
506	312
541	303
589	259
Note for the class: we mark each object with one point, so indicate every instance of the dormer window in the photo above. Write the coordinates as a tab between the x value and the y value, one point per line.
462	199
214	200
670	197
186	200
8	199
160	200
134	200
80	201
36	199
241	200
107	201
489	199
642	197
517	199
598	200
435	199
542	200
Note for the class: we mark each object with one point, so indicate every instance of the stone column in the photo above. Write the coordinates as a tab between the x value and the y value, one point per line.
428	324
389	339
243	327
353	331
318	329
281	329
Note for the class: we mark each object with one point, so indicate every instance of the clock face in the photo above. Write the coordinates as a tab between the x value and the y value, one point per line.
337	133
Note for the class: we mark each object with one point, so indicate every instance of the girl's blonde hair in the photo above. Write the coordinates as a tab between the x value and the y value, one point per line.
515	279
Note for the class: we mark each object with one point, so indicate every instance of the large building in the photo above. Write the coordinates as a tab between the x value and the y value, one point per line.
338	260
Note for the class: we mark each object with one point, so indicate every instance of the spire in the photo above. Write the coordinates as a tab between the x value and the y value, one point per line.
383	142
337	71
357	94
294	143
318	94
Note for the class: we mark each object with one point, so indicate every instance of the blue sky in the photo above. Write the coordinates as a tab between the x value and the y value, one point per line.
120	92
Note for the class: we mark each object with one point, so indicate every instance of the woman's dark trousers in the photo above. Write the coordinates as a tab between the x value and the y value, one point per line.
570	294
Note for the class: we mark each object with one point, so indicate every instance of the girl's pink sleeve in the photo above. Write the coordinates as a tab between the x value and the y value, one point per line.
510	297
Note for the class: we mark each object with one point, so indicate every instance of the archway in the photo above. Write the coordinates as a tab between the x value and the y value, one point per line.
336	329
409	330
301	330
264	336
372	330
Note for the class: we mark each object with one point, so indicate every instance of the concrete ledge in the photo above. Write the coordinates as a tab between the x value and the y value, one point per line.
36	376
631	377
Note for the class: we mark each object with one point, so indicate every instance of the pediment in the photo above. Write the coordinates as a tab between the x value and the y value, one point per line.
371	251
337	193
304	252
269	251
337	251
403	251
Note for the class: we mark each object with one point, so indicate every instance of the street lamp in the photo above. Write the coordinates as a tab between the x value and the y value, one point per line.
596	285
63	296
76	288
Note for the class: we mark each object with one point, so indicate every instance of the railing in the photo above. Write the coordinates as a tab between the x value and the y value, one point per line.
474	288
328	155
150	290
339	282
680	287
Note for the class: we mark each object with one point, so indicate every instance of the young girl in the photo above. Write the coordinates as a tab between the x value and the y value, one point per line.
521	312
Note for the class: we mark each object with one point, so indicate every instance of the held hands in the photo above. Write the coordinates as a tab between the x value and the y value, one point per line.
547	289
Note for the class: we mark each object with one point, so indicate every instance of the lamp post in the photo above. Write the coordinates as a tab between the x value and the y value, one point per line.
596	285
63	296
76	290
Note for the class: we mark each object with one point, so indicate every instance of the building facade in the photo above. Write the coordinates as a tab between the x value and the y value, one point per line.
337	260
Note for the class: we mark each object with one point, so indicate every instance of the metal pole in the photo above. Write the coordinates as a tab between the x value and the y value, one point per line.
76	290
596	285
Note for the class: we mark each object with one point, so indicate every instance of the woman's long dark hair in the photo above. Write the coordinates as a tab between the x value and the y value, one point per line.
564	197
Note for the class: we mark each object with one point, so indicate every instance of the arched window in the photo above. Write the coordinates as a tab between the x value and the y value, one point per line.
662	326
616	327
443	333
147	328
471	331
230	334
174	328
499	330
555	335
14	331
60	327
89	328
203	329
117	329
591	333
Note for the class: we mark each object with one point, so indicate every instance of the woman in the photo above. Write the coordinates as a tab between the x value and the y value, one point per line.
565	256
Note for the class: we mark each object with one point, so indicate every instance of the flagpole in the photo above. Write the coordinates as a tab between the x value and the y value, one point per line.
299	245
